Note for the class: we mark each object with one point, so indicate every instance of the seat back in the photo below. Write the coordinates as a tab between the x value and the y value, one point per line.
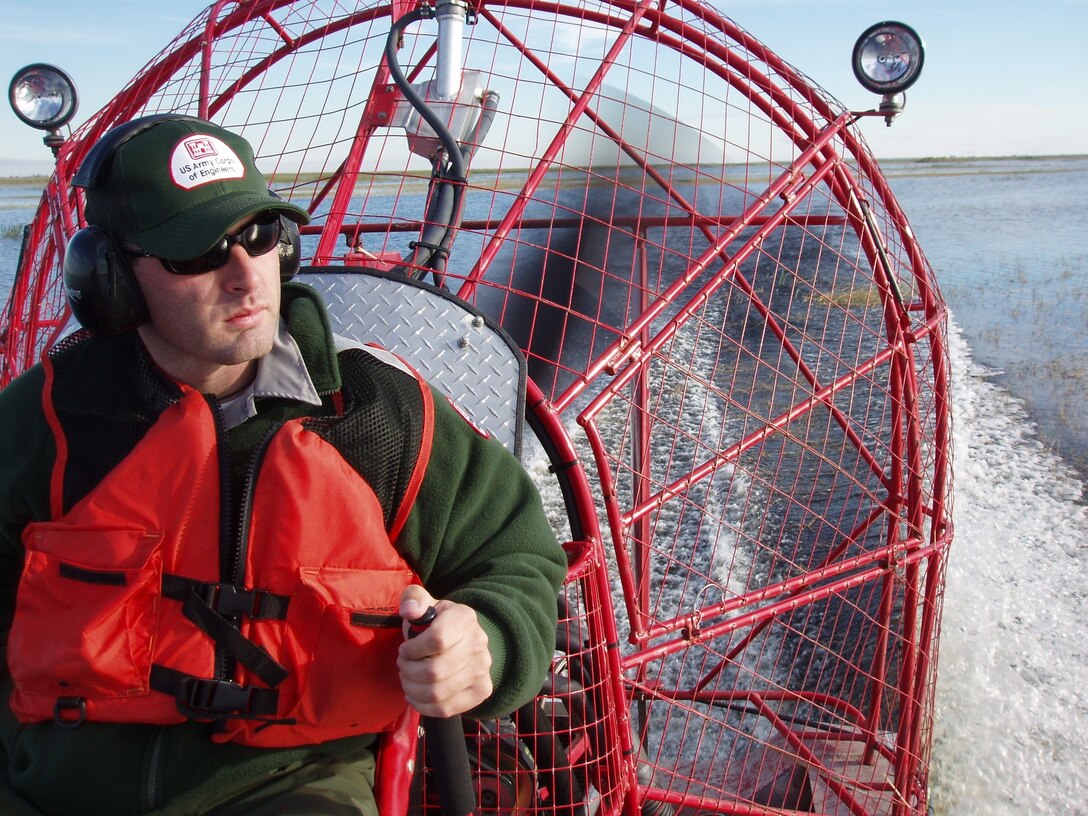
450	343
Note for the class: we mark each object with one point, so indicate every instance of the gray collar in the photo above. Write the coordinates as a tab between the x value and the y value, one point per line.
280	373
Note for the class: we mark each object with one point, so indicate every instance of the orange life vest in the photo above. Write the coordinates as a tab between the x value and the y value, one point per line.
123	613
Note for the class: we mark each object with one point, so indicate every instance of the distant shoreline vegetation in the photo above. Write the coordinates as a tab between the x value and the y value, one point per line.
305	179
962	159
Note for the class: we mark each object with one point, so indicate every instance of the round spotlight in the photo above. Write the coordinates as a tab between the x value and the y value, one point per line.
43	96
888	57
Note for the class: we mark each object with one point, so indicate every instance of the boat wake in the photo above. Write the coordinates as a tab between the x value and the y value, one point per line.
1011	733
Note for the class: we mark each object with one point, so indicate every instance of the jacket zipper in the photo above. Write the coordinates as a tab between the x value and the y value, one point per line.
239	540
155	766
234	521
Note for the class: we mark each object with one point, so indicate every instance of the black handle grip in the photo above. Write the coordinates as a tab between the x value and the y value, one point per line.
447	753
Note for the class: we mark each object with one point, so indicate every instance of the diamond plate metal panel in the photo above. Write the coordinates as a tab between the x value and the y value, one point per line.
453	347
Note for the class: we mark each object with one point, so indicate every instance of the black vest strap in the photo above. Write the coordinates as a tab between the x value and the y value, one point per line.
227	599
203	699
233	642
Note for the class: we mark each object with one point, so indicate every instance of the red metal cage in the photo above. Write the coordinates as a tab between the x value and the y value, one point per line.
739	381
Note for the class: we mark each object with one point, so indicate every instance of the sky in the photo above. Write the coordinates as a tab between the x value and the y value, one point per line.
1000	78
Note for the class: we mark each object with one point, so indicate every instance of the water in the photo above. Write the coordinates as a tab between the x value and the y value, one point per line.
18	201
1012	717
1009	242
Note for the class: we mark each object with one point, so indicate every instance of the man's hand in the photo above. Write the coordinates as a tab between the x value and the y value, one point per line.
446	669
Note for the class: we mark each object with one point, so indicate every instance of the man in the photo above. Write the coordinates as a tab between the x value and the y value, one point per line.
213	526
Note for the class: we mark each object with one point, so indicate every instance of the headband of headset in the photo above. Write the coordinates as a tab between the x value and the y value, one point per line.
93	169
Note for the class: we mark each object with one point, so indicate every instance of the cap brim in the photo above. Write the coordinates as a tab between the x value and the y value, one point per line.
192	233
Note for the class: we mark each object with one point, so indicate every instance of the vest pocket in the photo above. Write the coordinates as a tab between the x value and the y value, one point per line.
85	614
347	632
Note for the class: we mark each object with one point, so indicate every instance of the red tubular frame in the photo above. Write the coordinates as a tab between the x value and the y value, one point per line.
615	492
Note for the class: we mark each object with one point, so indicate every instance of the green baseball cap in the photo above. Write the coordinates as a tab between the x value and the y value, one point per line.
177	185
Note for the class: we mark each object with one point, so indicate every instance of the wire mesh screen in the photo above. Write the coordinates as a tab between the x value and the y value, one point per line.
739	351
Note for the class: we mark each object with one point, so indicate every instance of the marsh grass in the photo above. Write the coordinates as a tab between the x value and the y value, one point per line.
854	297
23	181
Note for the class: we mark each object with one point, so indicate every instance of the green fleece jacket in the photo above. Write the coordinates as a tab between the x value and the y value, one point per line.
477	534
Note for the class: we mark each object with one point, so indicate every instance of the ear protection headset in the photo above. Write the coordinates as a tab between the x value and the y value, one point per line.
99	284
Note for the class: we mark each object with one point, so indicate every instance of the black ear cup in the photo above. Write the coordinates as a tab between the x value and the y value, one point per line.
290	248
99	285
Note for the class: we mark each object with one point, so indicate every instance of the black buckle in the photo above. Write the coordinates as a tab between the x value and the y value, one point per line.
232	601
229	601
218	697
214	695
70	704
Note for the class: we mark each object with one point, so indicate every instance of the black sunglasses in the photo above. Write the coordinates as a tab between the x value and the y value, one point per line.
257	238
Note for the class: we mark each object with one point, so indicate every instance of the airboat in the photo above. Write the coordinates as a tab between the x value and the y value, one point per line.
663	266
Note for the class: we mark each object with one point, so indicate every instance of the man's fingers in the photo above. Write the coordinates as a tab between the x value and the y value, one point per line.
414	603
446	669
455	695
